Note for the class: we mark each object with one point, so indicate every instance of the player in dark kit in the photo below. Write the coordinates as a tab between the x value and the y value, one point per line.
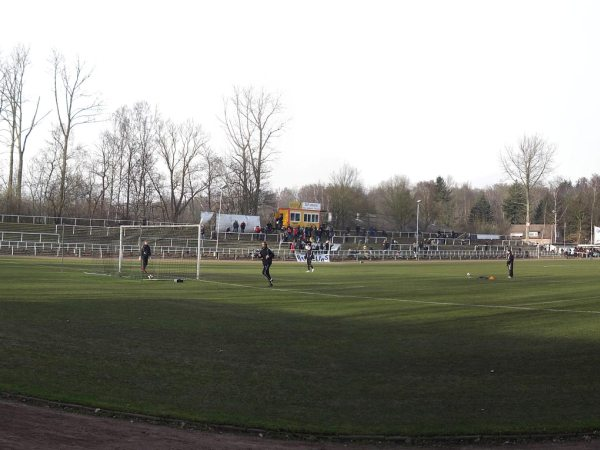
145	256
267	255
309	257
510	262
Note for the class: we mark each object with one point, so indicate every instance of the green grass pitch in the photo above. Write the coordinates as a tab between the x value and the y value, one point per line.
373	349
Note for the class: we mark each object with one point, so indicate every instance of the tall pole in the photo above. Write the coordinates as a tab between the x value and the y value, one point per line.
120	249
199	255
417	233
555	235
218	223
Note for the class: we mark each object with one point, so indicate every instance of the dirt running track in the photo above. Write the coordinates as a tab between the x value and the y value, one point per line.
26	426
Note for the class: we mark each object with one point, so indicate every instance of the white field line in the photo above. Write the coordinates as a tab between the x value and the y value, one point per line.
557	301
401	300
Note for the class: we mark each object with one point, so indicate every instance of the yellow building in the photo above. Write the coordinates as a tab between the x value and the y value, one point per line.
300	214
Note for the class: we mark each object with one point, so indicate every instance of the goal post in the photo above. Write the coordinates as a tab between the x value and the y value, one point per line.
175	251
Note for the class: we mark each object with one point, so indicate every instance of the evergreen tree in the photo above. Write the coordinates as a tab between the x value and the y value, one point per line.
442	192
481	212
514	207
543	211
443	212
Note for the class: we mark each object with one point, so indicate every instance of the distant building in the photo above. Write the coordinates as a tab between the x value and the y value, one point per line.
538	233
303	214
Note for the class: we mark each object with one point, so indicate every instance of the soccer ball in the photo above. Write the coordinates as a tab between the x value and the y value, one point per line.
150	277
468	274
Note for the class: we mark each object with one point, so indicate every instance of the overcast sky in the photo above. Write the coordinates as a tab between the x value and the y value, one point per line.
413	88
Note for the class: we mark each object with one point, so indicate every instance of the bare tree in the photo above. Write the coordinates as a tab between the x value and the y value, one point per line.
315	193
251	123
528	165
43	179
465	197
287	195
179	149
426	192
213	176
45	176
118	151
74	107
396	201
346	196
12	91
594	187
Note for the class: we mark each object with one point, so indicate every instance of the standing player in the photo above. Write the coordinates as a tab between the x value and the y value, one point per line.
145	255
510	262
309	256
267	255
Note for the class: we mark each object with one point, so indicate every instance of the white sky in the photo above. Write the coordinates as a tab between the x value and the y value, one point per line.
413	88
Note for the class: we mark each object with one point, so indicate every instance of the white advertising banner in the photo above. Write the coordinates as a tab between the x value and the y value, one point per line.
226	221
205	216
596	235
318	257
311	206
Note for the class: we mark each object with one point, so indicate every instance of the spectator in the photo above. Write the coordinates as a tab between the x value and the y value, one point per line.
243	226
236	226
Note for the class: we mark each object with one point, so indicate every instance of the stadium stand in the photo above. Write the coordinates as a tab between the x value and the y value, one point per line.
77	237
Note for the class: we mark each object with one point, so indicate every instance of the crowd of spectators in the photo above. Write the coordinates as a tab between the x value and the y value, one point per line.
319	237
582	252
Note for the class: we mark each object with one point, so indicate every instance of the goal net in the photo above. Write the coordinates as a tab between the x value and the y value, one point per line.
174	251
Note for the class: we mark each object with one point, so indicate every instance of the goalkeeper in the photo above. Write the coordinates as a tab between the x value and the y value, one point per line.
145	255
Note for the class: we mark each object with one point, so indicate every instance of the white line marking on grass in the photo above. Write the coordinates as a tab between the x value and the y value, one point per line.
559	301
559	265
402	300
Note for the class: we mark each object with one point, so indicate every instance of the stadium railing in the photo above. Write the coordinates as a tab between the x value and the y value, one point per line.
35	235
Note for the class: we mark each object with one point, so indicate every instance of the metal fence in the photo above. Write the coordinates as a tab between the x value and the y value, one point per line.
189	247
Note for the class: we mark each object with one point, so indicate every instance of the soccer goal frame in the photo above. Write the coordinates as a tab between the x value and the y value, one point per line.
146	233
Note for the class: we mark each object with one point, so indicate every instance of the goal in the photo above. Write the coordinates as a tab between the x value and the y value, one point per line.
175	251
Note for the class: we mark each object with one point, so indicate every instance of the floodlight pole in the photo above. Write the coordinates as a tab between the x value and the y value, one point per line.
417	233
555	235
120	249
219	222
199	250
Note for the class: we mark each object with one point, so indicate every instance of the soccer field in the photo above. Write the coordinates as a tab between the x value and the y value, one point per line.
407	348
